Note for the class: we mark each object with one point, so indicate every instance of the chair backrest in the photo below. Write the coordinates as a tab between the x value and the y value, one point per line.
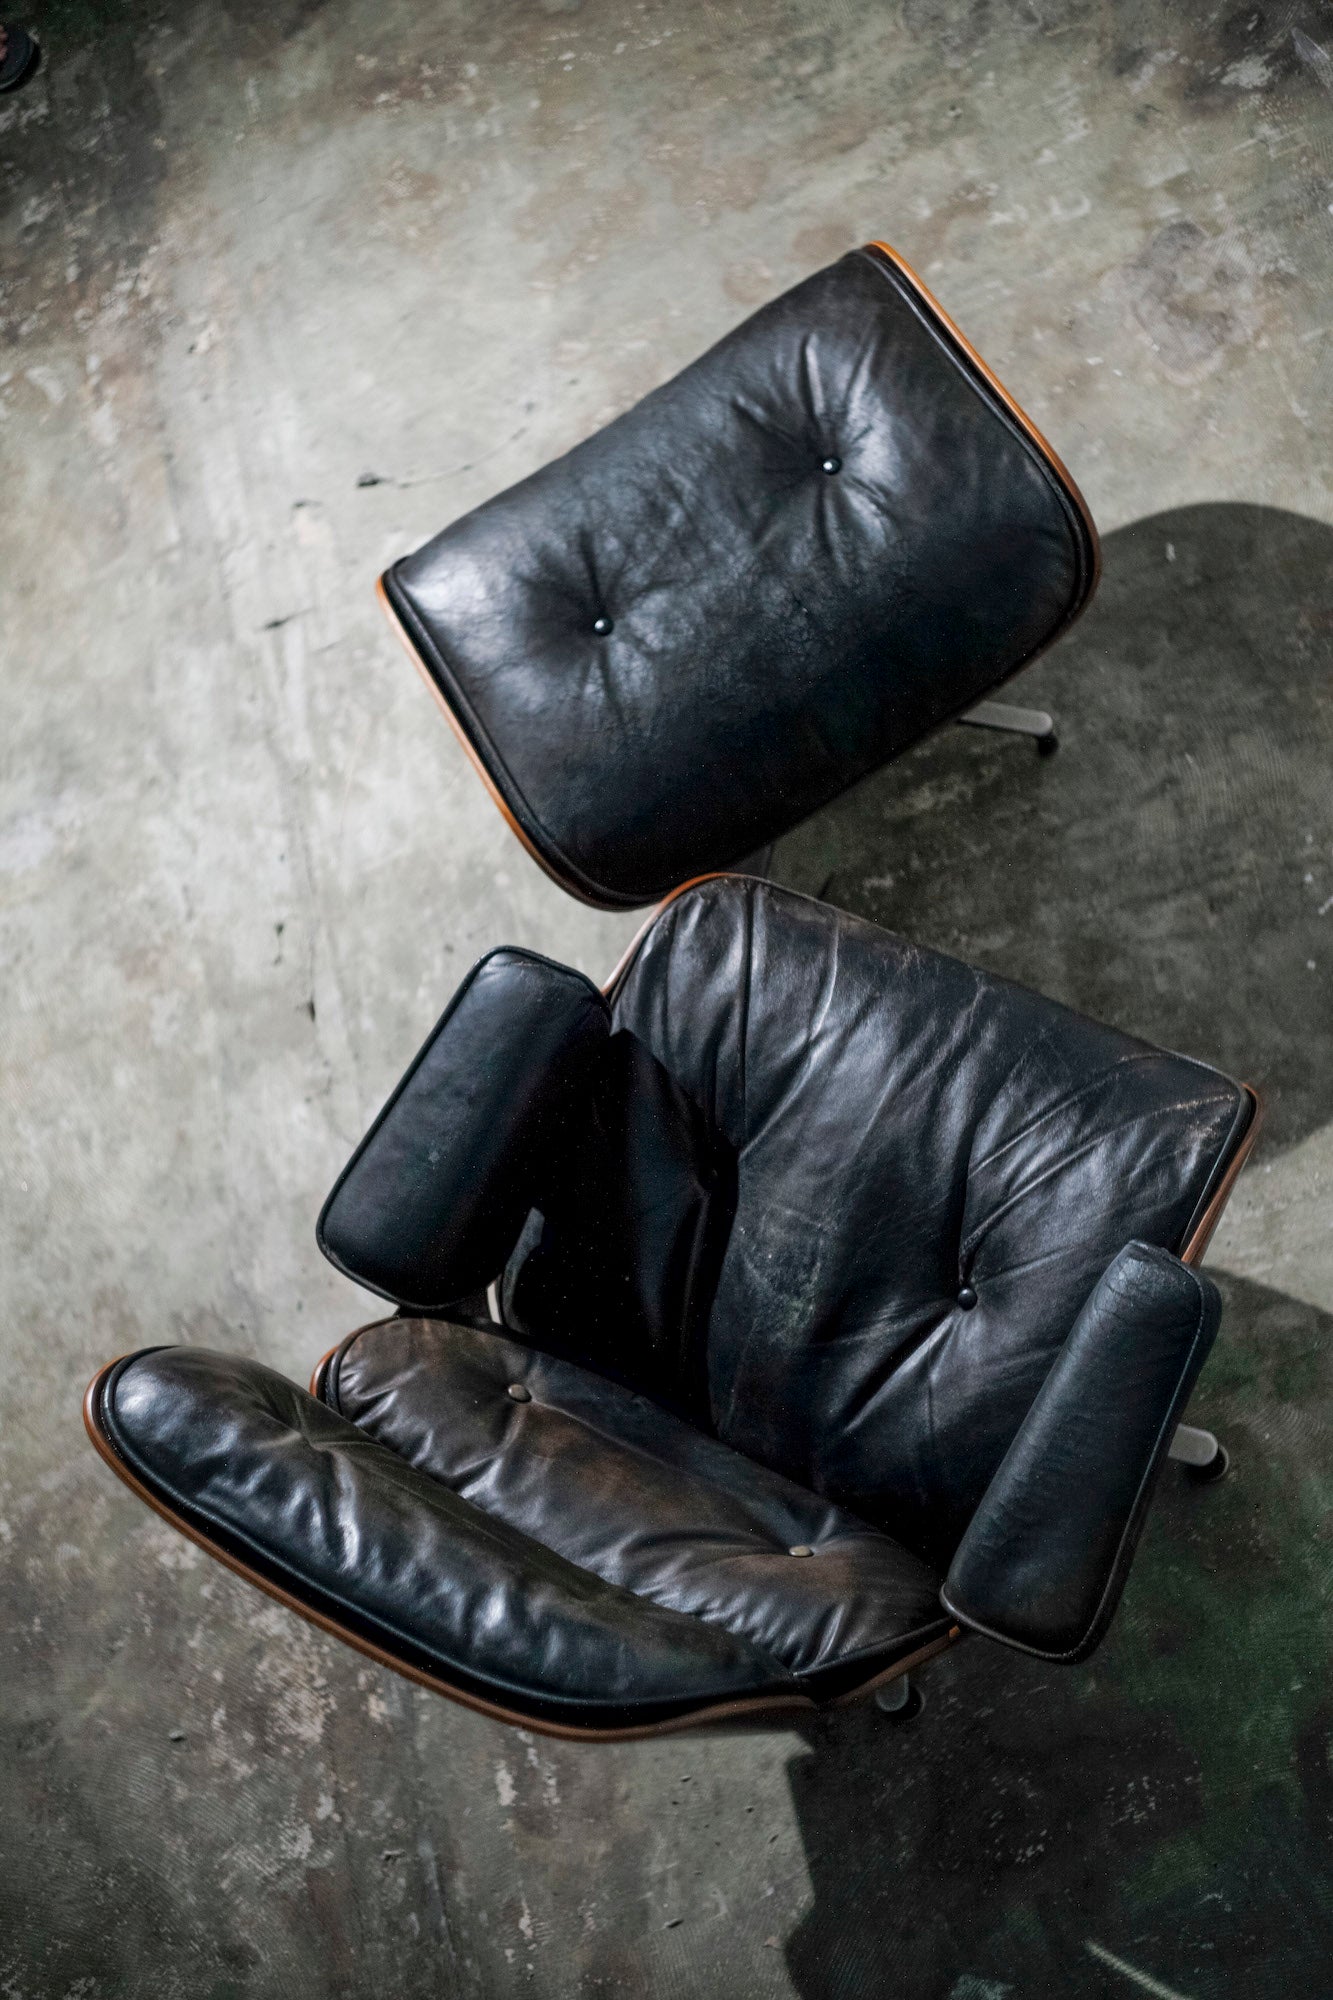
828	534
933	1169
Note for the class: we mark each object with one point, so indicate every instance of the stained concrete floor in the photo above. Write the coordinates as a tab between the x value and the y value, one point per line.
285	287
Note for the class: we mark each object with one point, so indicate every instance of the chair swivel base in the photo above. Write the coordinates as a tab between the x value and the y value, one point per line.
1198	1451
901	1701
1034	722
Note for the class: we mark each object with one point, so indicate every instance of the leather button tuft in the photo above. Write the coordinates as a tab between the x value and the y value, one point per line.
967	1298
801	1549
601	626
831	464
519	1393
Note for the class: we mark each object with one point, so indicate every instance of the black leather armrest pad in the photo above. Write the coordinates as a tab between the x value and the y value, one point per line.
431	1203
1044	1560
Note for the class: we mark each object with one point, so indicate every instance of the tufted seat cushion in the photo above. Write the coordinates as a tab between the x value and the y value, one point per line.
828	534
612	1483
573	1556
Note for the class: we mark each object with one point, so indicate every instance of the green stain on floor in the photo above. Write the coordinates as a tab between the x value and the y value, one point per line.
1229	1622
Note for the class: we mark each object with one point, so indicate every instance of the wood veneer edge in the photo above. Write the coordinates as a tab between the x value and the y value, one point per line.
477	762
1201	1235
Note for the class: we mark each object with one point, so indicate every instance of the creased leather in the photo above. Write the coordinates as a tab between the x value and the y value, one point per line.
1045	1557
618	1262
288	1484
776	630
429	1206
615	1484
905	1126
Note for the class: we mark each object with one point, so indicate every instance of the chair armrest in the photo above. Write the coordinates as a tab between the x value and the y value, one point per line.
431	1203
1044	1559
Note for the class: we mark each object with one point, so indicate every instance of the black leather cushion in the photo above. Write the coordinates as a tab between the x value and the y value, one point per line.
777	630
617	1486
1046	1554
355	1532
578	1558
908	1129
424	1220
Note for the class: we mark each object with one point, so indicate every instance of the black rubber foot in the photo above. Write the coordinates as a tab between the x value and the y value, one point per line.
1207	1475
901	1701
1048	745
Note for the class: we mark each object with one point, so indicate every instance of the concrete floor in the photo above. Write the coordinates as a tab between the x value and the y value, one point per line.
285	288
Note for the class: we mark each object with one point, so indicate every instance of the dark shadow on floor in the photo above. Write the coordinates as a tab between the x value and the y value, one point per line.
1171	869
1170	1802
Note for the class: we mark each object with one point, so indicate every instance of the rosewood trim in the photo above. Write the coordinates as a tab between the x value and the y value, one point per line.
1212	1215
321	1368
474	758
630	953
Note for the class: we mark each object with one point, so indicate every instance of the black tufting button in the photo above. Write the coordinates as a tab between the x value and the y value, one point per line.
801	1549
967	1298
601	626
519	1393
831	464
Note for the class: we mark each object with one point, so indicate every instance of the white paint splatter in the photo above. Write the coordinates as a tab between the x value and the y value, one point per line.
48	382
1250	73
297	1842
178	1555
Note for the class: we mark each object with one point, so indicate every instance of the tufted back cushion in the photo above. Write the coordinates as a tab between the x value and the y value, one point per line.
934	1167
819	540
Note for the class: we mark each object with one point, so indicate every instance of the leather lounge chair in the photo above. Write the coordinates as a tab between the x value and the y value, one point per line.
848	1303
